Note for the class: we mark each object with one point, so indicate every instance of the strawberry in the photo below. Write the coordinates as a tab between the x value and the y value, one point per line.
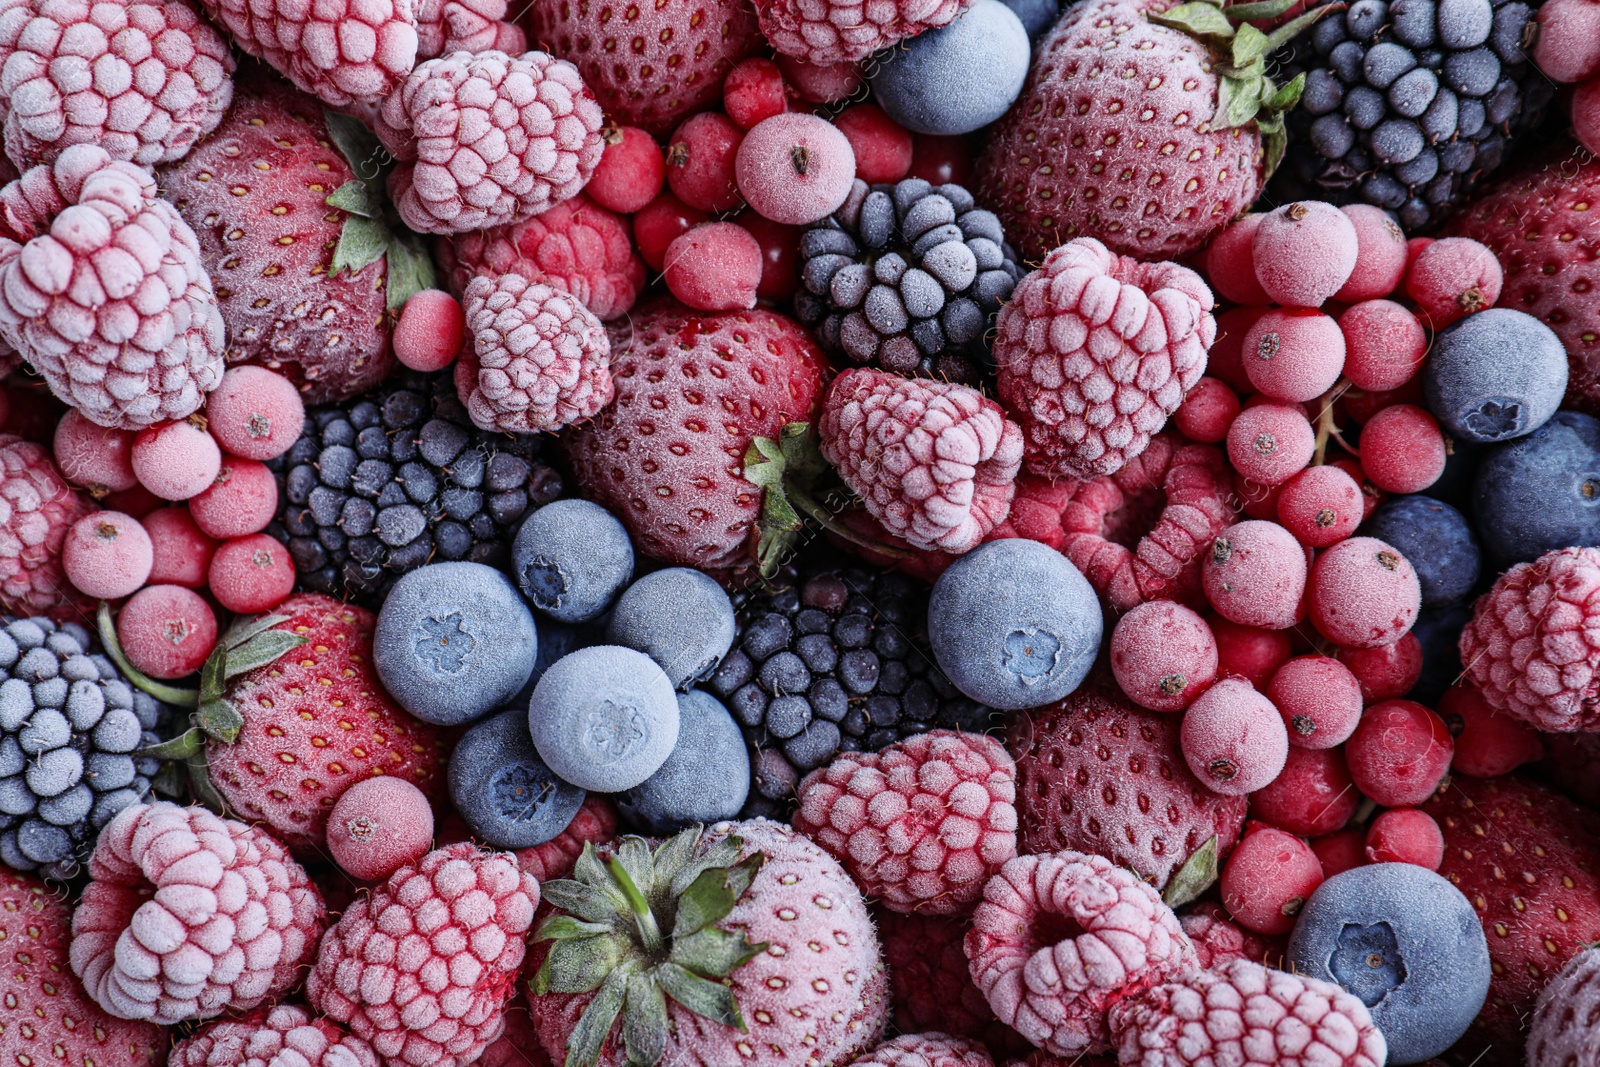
930	983
1079	153
1529	861
309	266
694	392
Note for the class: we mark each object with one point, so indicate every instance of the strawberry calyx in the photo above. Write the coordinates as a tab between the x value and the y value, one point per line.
1245	93
640	927
1198	873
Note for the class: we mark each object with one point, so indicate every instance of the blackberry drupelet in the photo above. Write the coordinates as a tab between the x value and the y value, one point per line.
381	484
70	728
834	660
1409	104
907	277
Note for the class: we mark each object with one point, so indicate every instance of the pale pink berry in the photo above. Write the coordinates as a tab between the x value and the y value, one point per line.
428	335
1380	255
1319	698
714	267
1255	575
1364	593
1304	253
1452	278
378	826
931	1049
271	1037
93	457
445	26
107	555
176	460
795	168
241	501
1271	443
255	413
1163	655
249	575
166	631
1234	739
1268	879
1293	354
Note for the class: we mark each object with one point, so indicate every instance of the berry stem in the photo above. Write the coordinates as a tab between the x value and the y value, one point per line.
1326	427
167	694
824	518
649	931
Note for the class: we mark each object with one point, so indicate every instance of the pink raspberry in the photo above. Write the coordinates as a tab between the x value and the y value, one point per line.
826	32
1055	990
445	26
103	291
272	1037
1095	350
921	824
539	360
422	967
1218	940
343	52
931	1049
1242	1012
37	508
576	245
935	462
1562	1030
189	915
486	139
144	79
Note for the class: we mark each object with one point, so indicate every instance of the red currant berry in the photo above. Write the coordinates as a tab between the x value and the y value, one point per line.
1321	506
1268	879
1387	671
1311	796
754	90
1405	835
1319	699
631	171
1399	753
1163	655
700	162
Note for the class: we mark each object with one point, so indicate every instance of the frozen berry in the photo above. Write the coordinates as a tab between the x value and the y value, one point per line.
1231	265
822	83
107	555
795	168
1256	500
1405	835
180	550
1371	495
1304	253
1488	743
1249	652
255	413
1321	506
1267	880
1399	753
881	145
166	631
1452	278
1226	358
1163	655
1341	851
1233	738
1384	344
1207	411
428	335
1311	796
1364	593
1293	354
1402	449
1387	671
660	223
378	826
1270	443
780	256
96	458
176	460
1319	699
631	172
1255	575
251	574
700	162
940	160
241	501
754	90
1380	255
714	267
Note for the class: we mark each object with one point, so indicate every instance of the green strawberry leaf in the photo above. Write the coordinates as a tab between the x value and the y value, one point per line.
1249	44
715	952
706	998
644	1022
1196	875
765	466
186	744
199	771
1287	95
219	719
1199	19
577	966
1238	100
589	1036
581	900
359	146
566	928
411	268
361	242
260	650
356	197
1268	9
1274	144
170	781
674	854
247	626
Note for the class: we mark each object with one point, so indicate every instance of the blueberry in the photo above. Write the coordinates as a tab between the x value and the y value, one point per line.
1437	540
454	641
1036	15
572	558
957	78
705	780
1013	624
1542	492
678	617
1407	943
1495	375
604	718
505	793
1464	23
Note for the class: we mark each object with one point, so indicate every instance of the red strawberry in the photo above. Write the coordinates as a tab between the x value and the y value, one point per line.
930	983
1529	861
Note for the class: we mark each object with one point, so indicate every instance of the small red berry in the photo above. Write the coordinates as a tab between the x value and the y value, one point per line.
1399	753
1268	879
1231	265
1304	253
660	223
940	159
255	413
428	335
1256	500
176	460
1488	743
166	631
714	267
1255	575
107	555
1311	796
1371	495
1233	738
1402	449
1163	655
1207	411
1319	699
1249	652
93	457
1364	593
180	551
378	826
1380	254
821	83
700	162
795	168
752	91
1321	506
882	146
1387	671
1293	354
1226	358
241	501
780	256
1452	278
1339	852
1405	835
631	172
251	574
1384	345
1270	443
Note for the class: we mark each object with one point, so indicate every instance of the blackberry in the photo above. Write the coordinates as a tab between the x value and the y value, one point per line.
381	484
1409	104
907	277
830	661
70	731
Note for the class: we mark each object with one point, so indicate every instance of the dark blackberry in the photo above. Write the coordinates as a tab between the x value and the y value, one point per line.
1409	104
381	484
70	728
830	661
907	277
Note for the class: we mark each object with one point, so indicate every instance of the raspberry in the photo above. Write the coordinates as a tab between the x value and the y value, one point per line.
1304	253
240	502
176	460
714	267
795	168
596	821
143	80
1387	671
929	980
1319	698
825	32
1380	255
1399	753
1207	411
1218	940
428	335
1452	278
378	826
188	915
1231	265
1268	879
268	1037
1321	506
934	462
1402	449
1163	655
1405	835
1270	443
1488	743
128	338
1248	652
1384	345
1561	1031
255	413
249	575
921	824
701	162
1243	1012
485	139
180	552
166	631
1094	351
881	145
659	223
1340	852
422	967
539	361
1364	593
1053	989
106	555
631	170
37	508
1255	575
1310	797
93	457
754	90
1293	354
931	1049
1233	738
445	26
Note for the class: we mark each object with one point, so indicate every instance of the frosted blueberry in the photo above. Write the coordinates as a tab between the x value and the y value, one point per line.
572	558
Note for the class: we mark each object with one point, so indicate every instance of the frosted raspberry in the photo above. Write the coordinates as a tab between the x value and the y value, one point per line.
1533	645
1562	1031
1095	350
283	1036
577	245
921	824
422	967
143	79
842	31
189	915
486	139
1243	1012
596	821
1055	991
539	359
931	1049
445	26
341	51
103	291
1218	940
935	462
37	508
